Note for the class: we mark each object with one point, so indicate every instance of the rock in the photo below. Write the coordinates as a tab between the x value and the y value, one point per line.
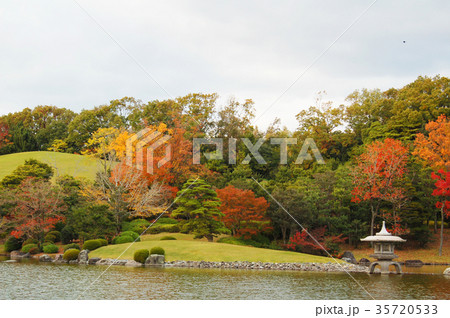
83	257
413	263
73	261
364	262
16	255
349	257
133	263
58	257
45	258
158	260
94	260
447	271
10	261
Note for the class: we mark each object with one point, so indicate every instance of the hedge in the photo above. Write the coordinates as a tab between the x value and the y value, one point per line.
157	250
51	248
91	245
12	244
72	245
28	247
71	254
141	255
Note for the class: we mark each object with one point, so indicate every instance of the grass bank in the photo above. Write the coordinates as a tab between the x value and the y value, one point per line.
187	249
63	163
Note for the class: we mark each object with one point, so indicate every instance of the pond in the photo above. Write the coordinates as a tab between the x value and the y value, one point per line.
30	280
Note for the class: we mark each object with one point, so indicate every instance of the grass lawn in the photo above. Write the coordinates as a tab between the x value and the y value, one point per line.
63	163
187	249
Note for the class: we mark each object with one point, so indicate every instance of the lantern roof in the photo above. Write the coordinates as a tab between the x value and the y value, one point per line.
383	236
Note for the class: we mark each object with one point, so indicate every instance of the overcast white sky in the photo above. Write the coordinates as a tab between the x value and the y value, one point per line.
53	53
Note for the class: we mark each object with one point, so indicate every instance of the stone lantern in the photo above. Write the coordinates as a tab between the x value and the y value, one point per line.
384	250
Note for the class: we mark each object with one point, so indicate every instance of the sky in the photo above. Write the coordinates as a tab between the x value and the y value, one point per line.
80	54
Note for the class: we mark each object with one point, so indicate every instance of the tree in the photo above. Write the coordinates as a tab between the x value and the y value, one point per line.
127	192
442	191
93	221
4	135
31	168
434	150
38	207
198	206
244	214
378	175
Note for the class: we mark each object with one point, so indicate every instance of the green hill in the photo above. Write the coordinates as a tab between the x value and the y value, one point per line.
187	249
63	163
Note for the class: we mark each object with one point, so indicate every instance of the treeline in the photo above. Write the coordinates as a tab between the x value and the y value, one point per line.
318	196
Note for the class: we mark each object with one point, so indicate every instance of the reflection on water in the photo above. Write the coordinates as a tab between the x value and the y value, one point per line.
48	281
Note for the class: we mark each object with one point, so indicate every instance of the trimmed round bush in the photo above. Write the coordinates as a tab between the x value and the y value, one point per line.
30	241
51	248
167	238
34	250
56	234
91	245
13	244
123	239
71	254
137	225
50	238
28	247
134	235
103	242
141	255
47	243
157	250
72	245
171	228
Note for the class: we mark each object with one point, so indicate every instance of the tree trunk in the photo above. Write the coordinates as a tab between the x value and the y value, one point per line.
435	223
372	221
209	238
442	230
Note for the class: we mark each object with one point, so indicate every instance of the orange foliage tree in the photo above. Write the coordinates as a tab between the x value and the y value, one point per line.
244	213
378	176
38	206
434	150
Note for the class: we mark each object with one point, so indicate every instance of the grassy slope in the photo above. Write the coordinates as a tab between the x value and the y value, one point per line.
187	249
63	163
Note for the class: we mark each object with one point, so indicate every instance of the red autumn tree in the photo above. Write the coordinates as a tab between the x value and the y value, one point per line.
378	175
38	206
315	241
244	213
4	135
442	191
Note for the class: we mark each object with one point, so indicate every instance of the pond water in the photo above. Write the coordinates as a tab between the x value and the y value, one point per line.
30	280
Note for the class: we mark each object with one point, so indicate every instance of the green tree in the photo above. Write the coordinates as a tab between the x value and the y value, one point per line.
31	168
93	221
198	206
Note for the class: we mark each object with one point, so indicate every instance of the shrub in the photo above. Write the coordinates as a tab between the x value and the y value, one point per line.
56	234
92	245
123	239
134	235
72	246
141	255
50	238
166	221
34	250
137	225
51	248
12	244
28	247
167	238
71	254
103	242
157	250
30	241
67	234
154	230
47	243
171	228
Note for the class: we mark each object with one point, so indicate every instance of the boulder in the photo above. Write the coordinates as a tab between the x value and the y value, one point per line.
364	262
155	260
447	271
414	263
83	257
16	255
133	263
58	257
45	258
94	260
73	262
349	257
